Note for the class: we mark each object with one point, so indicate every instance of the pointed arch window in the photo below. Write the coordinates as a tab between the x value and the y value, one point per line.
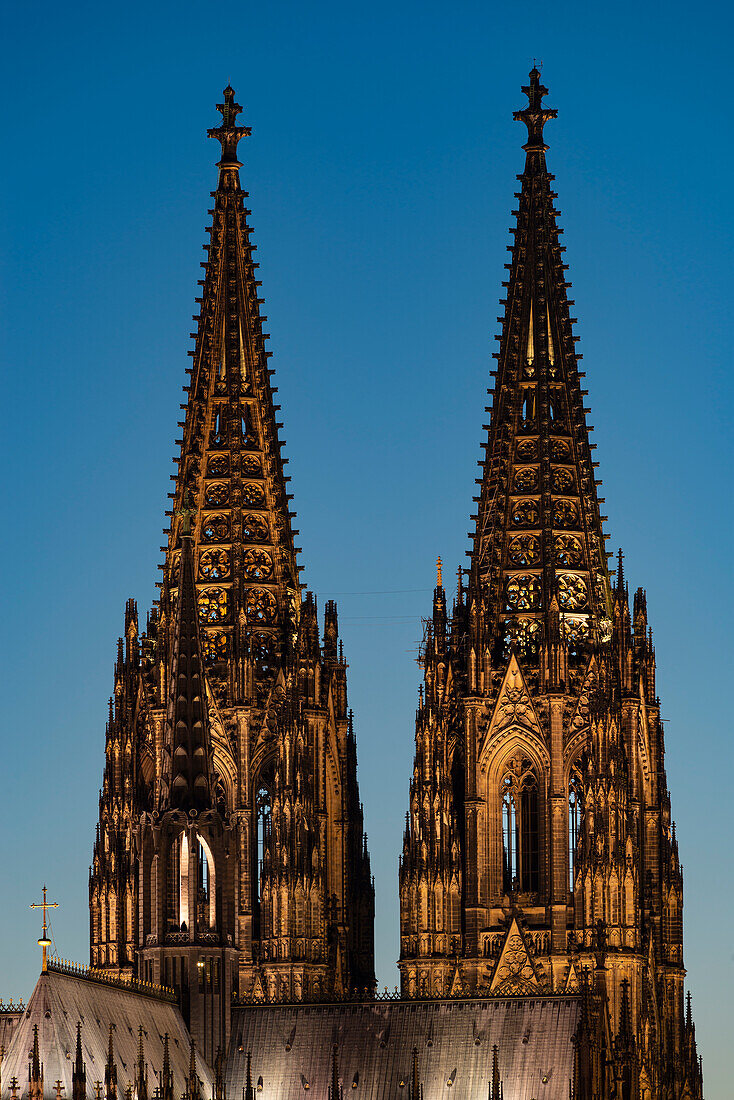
520	828
262	832
205	887
218	425
509	840
575	807
528	405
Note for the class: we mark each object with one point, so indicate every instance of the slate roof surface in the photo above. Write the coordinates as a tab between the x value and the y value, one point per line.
59	1000
375	1042
8	1022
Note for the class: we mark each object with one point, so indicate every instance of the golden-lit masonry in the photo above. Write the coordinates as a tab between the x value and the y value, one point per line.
231	899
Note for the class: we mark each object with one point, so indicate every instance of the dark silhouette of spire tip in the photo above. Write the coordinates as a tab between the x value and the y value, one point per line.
228	134
535	115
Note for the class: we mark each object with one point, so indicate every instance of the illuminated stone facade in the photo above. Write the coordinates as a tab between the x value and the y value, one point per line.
230	854
540	888
539	845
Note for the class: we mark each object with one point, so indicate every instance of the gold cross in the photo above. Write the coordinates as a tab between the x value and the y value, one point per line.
59	1086
44	943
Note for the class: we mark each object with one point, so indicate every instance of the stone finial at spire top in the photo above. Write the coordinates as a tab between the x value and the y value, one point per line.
535	115
229	134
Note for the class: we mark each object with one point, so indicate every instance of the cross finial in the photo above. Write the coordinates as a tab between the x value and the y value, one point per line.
44	942
439	572
535	115
229	133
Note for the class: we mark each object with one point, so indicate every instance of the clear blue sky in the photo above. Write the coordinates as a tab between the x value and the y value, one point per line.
381	173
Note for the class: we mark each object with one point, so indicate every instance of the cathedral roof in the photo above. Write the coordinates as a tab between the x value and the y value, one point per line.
61	1000
292	1047
9	1020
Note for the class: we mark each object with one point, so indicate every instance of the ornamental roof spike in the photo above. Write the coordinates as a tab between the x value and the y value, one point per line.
228	133
186	782
535	115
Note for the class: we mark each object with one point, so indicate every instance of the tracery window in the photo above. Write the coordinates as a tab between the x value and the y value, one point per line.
255	528
216	647
218	424
562	481
263	827
575	807
523	591
524	550
525	513
213	605
520	828
565	513
257	564
557	405
217	495
218	466
524	633
253	496
251	466
214	564
568	550
260	606
527	449
528	404
215	528
205	888
526	479
572	594
248	432
264	650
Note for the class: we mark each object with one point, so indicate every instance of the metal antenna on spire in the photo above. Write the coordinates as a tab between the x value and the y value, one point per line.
44	942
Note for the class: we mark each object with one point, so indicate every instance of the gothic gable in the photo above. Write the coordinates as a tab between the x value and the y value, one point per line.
514	707
516	974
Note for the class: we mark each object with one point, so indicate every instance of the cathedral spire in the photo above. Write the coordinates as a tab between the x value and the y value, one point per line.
230	465
231	765
538	529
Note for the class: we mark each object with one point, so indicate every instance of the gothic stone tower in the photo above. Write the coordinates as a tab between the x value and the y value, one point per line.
539	842
230	852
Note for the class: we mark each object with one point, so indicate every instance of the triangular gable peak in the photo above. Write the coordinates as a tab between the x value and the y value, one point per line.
572	983
515	974
259	992
514	708
457	985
